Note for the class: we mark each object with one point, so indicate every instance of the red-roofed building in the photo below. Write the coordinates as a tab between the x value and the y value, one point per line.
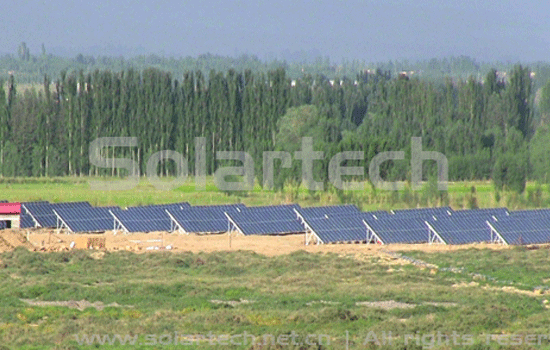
11	214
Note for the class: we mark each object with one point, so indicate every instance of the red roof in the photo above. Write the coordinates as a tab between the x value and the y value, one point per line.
10	208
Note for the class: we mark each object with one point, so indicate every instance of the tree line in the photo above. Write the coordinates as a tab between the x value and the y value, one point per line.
487	128
30	66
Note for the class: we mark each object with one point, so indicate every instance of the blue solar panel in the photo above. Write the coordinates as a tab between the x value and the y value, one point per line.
496	212
426	213
203	219
532	213
399	230
283	208
160	208
26	221
237	206
334	210
42	212
378	214
463	228
524	230
278	219
334	229
87	219
143	220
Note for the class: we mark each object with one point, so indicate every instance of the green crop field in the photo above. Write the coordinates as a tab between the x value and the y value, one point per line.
331	301
459	195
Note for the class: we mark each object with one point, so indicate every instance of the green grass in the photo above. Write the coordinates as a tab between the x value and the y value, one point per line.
164	292
522	269
458	196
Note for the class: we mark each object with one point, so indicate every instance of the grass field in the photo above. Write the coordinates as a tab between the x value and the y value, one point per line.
238	293
459	195
470	298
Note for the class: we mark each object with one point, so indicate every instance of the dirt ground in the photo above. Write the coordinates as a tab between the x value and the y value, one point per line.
49	240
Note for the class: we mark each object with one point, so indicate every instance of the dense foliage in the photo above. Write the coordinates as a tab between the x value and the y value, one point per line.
484	127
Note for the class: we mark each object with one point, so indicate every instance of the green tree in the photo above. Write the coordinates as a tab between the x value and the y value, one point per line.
539	154
518	99
544	103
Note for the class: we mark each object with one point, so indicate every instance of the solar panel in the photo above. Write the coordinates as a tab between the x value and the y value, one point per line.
531	213
523	230
333	210
334	229
86	219
203	219
377	214
286	208
463	228
26	221
422	212
398	230
43	212
237	206
497	212
277	219
143	220
158	208
147	218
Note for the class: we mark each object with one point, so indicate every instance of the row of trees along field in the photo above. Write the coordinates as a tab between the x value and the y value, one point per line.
487	129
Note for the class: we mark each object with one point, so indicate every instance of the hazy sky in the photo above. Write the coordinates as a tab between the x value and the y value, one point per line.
366	30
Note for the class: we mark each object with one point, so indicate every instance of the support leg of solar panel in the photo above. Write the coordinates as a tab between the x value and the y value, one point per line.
371	236
118	225
62	224
232	225
174	224
36	224
310	235
299	217
433	236
495	236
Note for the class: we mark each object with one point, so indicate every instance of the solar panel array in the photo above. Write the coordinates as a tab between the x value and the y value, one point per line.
534	214
268	220
398	229
204	219
147	218
463	228
142	220
43	214
326	211
491	212
26	219
330	224
86	219
524	230
334	229
422	212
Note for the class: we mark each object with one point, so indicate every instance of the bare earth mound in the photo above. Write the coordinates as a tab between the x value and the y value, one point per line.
49	240
11	239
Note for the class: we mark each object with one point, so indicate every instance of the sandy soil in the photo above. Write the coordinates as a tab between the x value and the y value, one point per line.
49	240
